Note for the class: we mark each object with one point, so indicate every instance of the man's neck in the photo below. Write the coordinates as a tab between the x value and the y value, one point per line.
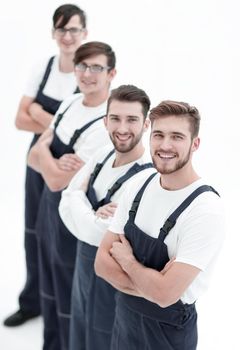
129	157
179	179
95	99
66	63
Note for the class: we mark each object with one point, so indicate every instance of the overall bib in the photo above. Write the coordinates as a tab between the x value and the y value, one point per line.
93	299
29	298
57	252
139	323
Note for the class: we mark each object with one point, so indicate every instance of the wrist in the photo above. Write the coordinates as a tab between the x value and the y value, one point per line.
130	264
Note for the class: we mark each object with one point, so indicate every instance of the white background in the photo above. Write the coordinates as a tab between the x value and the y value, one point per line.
185	50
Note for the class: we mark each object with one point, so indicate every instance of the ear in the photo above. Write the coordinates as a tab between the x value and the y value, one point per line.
84	34
195	144
105	121
53	33
112	74
146	124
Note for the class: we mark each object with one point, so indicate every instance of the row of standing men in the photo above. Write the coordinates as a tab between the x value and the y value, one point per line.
91	146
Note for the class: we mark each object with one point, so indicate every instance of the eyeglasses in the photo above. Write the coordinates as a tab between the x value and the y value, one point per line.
95	68
72	31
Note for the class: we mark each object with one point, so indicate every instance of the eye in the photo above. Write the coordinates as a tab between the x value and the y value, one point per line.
132	120
114	118
74	30
96	68
157	136
60	30
177	137
81	67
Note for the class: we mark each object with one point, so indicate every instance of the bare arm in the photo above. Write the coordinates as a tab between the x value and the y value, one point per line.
107	268
40	159
163	289
39	115
25	116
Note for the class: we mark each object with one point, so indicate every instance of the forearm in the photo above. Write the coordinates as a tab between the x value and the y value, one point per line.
150	283
33	159
107	268
25	122
40	116
55	178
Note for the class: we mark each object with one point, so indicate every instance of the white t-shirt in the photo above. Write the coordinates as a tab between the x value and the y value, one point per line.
197	235
78	115
58	86
76	210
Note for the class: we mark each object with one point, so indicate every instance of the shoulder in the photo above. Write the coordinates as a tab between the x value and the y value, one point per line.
101	153
208	201
42	64
135	183
68	101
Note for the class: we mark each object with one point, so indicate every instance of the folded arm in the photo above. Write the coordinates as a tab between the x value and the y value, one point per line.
31	116
40	159
76	212
162	289
108	268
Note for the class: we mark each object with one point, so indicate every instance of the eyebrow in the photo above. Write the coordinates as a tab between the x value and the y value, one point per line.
172	133
128	116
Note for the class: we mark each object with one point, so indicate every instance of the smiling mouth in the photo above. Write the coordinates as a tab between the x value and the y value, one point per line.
87	82
165	156
123	138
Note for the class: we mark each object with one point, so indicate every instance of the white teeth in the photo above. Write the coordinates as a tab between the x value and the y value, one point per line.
166	156
123	138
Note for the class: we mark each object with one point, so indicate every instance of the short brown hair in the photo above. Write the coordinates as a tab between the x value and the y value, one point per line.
94	48
130	93
181	109
65	12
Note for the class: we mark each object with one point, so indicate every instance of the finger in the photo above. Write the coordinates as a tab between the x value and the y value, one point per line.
74	157
123	239
108	211
113	205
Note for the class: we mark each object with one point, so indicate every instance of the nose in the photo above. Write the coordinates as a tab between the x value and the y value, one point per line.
67	36
123	128
166	143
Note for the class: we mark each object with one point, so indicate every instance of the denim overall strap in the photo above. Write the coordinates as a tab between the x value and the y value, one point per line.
136	168
46	74
78	132
91	194
171	221
135	204
60	115
98	168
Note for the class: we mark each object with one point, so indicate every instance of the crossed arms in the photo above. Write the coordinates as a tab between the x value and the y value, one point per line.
57	173
116	264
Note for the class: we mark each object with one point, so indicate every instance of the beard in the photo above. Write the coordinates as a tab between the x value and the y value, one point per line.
168	169
124	147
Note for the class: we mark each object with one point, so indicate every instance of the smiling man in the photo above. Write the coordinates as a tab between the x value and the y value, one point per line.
76	133
50	83
169	217
88	212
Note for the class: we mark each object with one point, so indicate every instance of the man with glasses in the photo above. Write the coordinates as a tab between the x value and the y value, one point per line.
49	84
76	133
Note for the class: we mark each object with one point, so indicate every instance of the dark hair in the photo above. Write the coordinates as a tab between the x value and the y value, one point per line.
94	48
130	93
65	12
181	109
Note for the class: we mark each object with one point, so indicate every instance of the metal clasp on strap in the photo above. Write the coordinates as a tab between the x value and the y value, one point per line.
168	225
134	207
